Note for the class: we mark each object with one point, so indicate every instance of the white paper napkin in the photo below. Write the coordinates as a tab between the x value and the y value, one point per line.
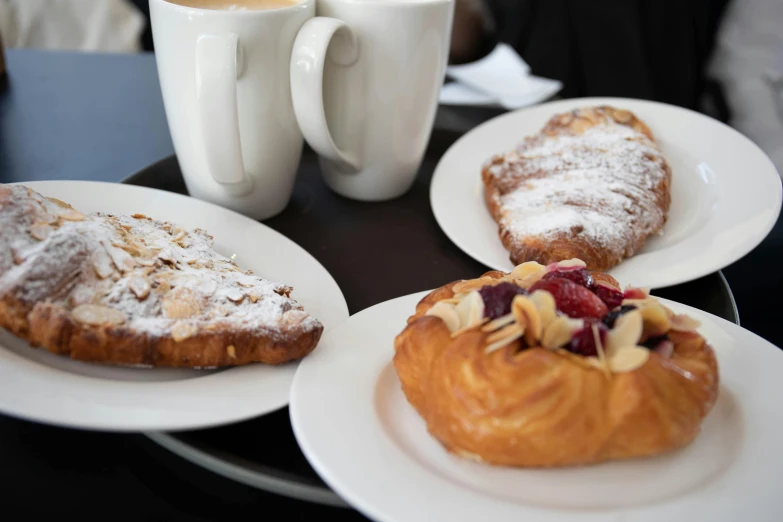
500	78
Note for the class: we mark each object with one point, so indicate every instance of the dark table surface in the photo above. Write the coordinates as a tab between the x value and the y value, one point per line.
100	117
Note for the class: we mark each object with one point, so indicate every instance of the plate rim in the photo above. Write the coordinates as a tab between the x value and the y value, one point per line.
555	105
337	303
342	487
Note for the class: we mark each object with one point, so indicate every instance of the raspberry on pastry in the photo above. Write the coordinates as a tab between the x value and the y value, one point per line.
561	377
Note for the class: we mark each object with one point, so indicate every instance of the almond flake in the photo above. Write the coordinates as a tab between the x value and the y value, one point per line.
447	313
626	332
545	305
571	264
139	286
468	327
498	323
599	347
465	287
40	231
560	331
507	331
71	214
97	315
122	260
628	358
235	295
183	330
471	310
655	319
502	342
526	313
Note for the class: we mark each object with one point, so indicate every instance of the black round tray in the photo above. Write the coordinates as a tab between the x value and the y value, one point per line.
375	252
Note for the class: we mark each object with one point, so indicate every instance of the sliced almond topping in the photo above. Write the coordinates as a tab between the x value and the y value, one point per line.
506	331
526	313
571	263
683	323
464	287
626	332
40	231
497	345
96	315
209	286
628	358
447	313
146	261
180	303
183	330
58	202
560	331
599	347
637	293
71	214
546	306
655	319
139	286
122	260
468	327
525	270
471	310
139	216
231	351
498	323
235	295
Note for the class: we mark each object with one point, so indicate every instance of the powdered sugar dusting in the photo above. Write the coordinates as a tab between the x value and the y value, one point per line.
598	184
157	274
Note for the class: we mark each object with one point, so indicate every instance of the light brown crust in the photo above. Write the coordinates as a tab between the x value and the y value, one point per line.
48	320
568	244
542	408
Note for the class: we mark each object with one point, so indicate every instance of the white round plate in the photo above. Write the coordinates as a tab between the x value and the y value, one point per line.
41	386
356	428
726	193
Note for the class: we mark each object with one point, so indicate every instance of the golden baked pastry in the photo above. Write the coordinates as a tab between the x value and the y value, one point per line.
554	366
592	185
132	290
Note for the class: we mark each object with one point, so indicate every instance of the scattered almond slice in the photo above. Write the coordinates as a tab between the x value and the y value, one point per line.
71	214
183	330
525	270
447	313
96	315
502	342
626	332
235	295
139	286
40	231
102	264
683	323
122	260
468	327
526	313
571	264
560	331
465	287
507	331
546	306
470	310
599	347
628	358
498	323
655	319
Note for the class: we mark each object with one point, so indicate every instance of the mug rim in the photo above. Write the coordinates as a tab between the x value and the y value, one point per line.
252	12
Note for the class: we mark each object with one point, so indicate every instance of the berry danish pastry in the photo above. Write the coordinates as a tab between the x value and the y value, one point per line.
554	366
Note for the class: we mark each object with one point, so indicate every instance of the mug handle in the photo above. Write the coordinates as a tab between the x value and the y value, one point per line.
216	103
307	80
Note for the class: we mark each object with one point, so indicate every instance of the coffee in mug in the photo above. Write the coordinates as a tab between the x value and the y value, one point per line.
236	5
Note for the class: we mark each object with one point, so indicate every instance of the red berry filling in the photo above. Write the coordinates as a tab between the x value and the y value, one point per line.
581	276
611	296
572	299
497	298
583	343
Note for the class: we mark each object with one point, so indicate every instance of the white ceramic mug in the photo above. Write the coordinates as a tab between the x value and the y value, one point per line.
225	80
365	78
